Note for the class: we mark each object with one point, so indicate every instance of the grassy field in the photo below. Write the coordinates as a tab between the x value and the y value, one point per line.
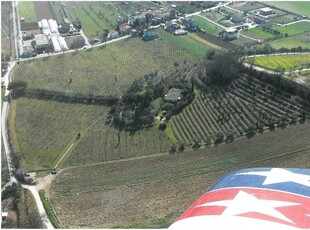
187	43
107	70
207	25
200	40
26	10
258	31
105	195
246	6
292	42
44	131
7	46
100	143
287	62
299	7
293	29
98	16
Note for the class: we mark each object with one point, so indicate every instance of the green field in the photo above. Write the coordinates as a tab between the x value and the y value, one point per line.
297	7
292	42
107	70
246	6
26	10
187	43
44	131
207	25
293	29
98	16
258	31
163	187
7	46
287	62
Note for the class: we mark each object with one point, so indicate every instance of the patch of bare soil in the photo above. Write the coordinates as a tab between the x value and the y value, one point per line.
43	10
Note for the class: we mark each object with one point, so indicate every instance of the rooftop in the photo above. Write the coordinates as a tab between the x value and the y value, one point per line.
266	9
173	95
41	39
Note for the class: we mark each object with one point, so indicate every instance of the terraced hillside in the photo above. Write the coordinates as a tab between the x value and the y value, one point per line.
245	106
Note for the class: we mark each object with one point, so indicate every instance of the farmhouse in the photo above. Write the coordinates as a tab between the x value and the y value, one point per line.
265	11
137	20
124	28
230	34
173	95
112	35
41	41
237	18
149	34
190	24
171	26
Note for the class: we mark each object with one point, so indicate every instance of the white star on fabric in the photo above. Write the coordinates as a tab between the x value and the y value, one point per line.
245	203
277	175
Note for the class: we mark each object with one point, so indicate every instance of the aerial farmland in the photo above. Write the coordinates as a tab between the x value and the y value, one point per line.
110	106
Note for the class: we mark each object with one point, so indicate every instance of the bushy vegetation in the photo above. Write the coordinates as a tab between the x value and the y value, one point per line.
138	107
220	69
23	204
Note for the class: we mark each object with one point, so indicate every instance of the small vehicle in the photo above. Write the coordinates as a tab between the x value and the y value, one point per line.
54	171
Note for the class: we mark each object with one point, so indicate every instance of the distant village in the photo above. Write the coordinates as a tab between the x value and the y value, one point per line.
49	36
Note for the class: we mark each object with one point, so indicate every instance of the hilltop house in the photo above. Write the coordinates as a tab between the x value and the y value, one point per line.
173	95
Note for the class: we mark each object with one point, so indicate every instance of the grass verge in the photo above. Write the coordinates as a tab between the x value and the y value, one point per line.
49	211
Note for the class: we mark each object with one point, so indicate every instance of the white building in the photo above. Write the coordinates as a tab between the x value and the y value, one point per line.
53	26
62	43
55	44
44	23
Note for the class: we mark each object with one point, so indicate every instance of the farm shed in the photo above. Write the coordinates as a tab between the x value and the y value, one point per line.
44	23
62	43
173	95
53	26
55	44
